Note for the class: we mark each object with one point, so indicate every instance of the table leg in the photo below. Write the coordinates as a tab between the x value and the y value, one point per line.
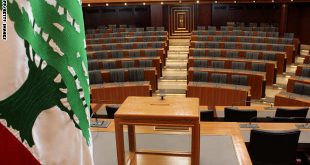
119	136
195	144
132	138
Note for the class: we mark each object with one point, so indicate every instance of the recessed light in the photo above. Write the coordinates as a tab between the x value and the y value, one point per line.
215	1
197	1
254	1
125	3
106	4
161	3
144	3
292	0
88	4
272	1
235	1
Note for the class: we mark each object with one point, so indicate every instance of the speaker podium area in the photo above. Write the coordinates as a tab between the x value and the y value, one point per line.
153	111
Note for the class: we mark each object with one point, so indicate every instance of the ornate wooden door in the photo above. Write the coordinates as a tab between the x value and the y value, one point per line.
181	20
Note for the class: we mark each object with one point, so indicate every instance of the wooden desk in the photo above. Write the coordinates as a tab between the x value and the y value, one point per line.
292	80
150	75
211	94
254	39
270	65
160	52
280	56
126	39
288	49
105	151
150	111
94	47
291	99
116	93
229	32
129	34
256	80
118	63
307	59
300	67
262	111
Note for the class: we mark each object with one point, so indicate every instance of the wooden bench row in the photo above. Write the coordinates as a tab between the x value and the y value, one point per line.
127	39
270	66
127	34
211	94
128	53
256	80
280	57
150	75
120	63
288	49
116	93
239	33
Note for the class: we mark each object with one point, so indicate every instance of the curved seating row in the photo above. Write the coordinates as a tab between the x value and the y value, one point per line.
128	45
236	33
99	64
279	57
211	94
288	49
127	39
127	34
268	67
127	53
126	75
257	80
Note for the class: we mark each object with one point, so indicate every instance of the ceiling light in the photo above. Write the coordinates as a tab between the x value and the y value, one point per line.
235	1
292	0
180	1
215	1
254	1
272	1
125	3
106	4
143	3
197	1
161	3
88	4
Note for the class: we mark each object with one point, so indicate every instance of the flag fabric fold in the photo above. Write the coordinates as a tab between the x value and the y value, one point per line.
44	98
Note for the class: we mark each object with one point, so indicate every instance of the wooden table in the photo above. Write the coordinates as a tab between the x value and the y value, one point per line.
212	94
288	49
151	111
271	66
296	79
291	99
280	56
104	144
257	80
116	93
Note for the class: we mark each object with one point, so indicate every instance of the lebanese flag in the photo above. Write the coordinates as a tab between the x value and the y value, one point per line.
44	98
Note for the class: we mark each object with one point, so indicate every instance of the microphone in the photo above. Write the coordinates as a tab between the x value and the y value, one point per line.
250	125
97	123
162	95
270	108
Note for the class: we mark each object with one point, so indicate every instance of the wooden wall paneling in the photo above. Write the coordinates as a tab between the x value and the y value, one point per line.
156	15
204	15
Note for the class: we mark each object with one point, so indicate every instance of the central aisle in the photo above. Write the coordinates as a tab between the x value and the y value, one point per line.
174	80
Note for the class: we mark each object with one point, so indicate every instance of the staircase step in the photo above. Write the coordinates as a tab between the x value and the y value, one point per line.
173	78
